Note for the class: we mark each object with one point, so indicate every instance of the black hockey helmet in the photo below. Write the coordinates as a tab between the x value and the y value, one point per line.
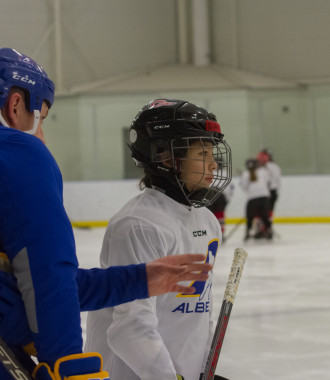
251	163
164	129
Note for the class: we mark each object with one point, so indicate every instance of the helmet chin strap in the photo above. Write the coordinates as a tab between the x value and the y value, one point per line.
3	121
35	123
30	131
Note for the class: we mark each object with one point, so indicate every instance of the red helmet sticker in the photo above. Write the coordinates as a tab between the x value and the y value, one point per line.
213	126
160	103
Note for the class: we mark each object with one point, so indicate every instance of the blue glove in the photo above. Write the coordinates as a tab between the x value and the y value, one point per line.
73	367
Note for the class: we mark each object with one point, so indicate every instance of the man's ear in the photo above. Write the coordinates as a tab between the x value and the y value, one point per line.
15	105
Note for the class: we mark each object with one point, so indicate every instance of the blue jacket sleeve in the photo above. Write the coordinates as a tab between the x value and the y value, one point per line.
36	235
99	288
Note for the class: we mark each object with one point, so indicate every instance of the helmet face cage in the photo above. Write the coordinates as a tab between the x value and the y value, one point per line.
164	136
209	157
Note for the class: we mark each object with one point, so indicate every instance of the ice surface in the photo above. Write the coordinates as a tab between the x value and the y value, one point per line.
280	323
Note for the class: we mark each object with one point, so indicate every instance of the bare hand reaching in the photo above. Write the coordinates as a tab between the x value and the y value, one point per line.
164	274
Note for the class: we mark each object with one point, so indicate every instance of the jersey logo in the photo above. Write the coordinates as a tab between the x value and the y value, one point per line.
203	288
199	307
199	233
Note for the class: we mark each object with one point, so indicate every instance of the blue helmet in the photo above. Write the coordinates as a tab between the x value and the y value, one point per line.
19	70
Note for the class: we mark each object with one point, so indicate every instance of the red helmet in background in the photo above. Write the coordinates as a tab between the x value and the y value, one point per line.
262	158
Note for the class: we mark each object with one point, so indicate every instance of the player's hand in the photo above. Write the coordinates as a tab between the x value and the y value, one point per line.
164	274
86	366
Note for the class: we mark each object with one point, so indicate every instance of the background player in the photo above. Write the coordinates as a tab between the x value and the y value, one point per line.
264	159
275	179
38	260
178	144
255	182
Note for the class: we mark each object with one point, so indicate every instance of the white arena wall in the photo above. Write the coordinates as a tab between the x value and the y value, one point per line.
301	199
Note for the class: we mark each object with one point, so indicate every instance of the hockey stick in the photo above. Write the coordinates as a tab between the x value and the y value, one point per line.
227	304
12	364
232	231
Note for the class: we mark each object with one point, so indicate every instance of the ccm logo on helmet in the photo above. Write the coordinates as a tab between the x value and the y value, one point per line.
161	126
24	79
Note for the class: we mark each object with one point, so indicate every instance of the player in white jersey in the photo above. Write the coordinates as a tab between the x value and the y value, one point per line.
179	145
255	182
275	178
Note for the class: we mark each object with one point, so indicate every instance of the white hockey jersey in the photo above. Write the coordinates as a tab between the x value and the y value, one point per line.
258	188
275	175
159	337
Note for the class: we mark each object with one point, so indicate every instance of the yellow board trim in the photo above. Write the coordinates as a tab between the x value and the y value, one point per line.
289	219
302	219
280	219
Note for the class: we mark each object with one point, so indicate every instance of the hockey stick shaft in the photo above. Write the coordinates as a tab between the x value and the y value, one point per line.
12	364
234	229
227	304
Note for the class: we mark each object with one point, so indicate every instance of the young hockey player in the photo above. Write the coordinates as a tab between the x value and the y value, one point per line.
179	145
37	252
265	159
255	182
275	178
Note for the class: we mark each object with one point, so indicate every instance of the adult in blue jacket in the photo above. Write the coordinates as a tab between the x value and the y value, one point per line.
38	263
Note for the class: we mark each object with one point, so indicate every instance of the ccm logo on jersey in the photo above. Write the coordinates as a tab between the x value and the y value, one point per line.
199	233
